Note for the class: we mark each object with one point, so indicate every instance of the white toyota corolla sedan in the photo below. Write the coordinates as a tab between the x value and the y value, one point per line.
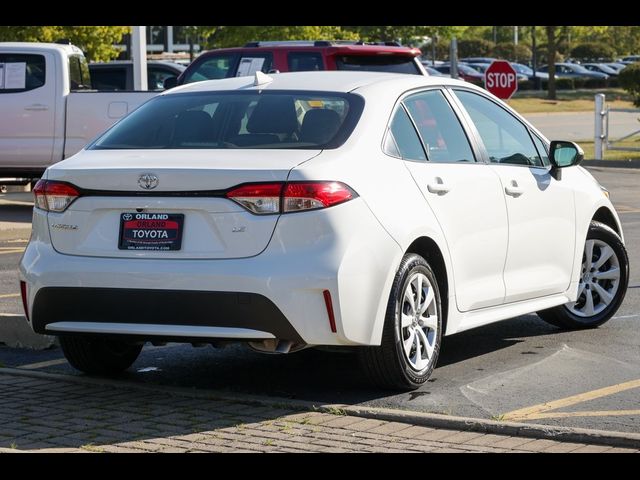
349	209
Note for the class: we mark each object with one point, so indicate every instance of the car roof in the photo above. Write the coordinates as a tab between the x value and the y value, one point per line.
65	48
331	49
168	63
326	80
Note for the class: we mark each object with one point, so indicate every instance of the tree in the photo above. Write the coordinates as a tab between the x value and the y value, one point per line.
630	80
515	53
551	62
234	36
96	41
407	35
475	48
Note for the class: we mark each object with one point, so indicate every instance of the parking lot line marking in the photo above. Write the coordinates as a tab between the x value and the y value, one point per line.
627	316
48	363
530	413
12	250
590	413
9	295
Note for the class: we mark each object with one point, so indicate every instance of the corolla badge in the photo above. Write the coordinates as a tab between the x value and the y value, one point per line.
148	181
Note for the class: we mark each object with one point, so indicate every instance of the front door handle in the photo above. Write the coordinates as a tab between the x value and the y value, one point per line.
438	187
513	189
37	107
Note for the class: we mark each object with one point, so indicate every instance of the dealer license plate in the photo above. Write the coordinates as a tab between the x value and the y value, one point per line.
150	231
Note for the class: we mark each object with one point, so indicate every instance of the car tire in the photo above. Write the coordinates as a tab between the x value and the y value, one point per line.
603	283
100	356
412	334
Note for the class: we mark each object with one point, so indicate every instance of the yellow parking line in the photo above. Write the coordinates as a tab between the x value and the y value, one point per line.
590	413
48	363
9	295
535	411
13	250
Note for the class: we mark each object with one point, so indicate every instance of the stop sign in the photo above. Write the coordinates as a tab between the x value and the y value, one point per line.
501	79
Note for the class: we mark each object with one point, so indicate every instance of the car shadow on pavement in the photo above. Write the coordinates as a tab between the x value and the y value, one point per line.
312	374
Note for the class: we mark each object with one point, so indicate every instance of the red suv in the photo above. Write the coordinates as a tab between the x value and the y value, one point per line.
302	56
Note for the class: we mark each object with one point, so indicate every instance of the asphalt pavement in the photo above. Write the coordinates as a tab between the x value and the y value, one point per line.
579	126
520	369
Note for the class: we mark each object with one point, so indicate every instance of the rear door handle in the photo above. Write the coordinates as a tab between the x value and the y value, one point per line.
513	189
438	187
37	107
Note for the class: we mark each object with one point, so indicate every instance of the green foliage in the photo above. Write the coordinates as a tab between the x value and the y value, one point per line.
515	53
475	48
629	79
236	36
96	41
592	51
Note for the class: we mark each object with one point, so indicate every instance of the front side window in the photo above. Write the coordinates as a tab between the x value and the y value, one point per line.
21	72
156	77
505	138
250	64
234	120
439	128
542	150
212	68
377	63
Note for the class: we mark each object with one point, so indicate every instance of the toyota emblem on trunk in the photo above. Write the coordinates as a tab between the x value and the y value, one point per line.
148	181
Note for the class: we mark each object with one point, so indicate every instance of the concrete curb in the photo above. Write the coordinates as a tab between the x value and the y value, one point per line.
635	163
514	429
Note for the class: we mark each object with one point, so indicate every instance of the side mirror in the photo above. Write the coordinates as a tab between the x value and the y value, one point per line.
170	82
564	154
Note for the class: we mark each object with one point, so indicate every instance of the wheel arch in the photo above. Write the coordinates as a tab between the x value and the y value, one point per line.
428	249
606	216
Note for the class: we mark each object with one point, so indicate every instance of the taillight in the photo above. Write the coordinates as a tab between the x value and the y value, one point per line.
311	195
283	197
53	196
260	198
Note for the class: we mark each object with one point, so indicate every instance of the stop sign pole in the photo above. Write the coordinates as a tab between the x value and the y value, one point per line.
501	79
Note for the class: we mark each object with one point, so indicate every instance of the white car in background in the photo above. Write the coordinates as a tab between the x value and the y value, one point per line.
306	209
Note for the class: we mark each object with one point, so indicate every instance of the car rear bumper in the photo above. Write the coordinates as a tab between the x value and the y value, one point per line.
140	312
280	292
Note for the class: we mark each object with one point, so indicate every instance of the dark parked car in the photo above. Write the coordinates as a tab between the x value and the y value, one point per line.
601	68
302	56
528	71
118	75
574	70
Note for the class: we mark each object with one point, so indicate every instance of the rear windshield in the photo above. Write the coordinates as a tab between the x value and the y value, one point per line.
378	63
229	120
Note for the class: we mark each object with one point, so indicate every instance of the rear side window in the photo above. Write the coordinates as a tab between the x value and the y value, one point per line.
79	76
304	62
237	120
406	138
377	63
21	72
212	68
111	78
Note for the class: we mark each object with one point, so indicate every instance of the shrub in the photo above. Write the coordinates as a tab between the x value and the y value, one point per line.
565	83
475	48
629	79
592	51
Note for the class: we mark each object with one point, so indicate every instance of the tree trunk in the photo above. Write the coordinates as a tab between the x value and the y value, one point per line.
551	61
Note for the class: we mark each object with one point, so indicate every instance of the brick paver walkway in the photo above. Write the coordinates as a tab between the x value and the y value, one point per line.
39	414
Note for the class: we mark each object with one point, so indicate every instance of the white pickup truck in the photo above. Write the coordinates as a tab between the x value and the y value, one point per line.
48	111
